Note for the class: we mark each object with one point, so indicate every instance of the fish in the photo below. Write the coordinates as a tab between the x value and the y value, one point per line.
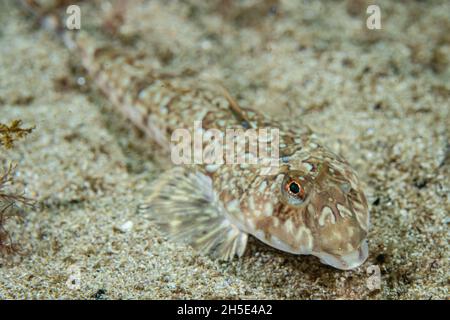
308	201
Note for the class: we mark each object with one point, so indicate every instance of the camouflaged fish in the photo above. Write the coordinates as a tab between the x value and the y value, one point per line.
312	202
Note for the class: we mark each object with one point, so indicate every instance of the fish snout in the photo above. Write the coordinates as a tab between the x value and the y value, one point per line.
347	260
341	242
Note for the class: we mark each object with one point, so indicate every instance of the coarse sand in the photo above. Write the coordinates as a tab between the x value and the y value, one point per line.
381	98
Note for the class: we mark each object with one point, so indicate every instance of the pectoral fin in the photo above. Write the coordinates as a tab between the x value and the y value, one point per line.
185	207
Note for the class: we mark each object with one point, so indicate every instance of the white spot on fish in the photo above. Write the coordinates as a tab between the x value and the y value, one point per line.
269	171
343	211
276	222
251	224
262	186
311	209
363	219
289	226
233	205
305	240
358	207
278	180
268	209
251	203
326	212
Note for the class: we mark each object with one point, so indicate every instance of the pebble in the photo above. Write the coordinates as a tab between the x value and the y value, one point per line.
126	227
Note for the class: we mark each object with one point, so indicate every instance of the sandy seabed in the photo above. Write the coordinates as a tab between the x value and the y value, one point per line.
381	98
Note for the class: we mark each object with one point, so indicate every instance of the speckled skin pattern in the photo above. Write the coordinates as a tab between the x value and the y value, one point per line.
330	219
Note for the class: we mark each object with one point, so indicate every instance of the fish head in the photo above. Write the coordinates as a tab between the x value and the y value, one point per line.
317	207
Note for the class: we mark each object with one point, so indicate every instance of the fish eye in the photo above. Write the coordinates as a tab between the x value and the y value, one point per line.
294	187
293	190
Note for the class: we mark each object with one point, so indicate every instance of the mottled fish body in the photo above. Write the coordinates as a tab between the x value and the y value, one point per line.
310	203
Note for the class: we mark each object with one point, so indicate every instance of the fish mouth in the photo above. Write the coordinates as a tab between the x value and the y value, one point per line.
347	261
